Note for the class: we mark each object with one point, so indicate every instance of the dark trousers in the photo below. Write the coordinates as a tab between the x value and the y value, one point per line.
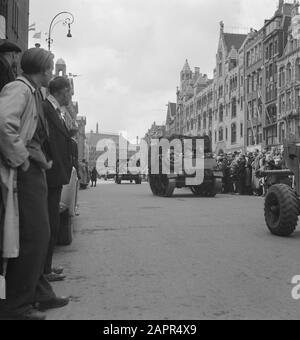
25	283
54	196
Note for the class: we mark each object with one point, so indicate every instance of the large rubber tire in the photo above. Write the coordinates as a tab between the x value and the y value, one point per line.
162	186
281	210
65	236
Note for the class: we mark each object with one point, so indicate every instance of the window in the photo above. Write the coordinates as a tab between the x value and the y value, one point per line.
204	121
233	133
3	8
289	73
242	130
282	104
233	108
248	59
289	101
297	99
276	47
210	119
221	134
15	18
281	133
221	114
271	135
250	137
298	69
281	77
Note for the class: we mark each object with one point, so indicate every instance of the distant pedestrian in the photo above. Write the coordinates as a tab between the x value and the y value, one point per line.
84	175
94	177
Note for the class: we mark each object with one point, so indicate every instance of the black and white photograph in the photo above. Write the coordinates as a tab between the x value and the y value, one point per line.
149	162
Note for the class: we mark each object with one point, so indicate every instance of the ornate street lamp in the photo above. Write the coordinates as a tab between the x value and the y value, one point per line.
69	20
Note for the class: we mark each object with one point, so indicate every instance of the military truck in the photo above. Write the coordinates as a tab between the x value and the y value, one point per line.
164	185
123	174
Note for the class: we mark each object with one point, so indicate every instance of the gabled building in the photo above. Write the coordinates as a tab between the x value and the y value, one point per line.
155	132
171	119
289	86
189	101
274	43
228	82
253	88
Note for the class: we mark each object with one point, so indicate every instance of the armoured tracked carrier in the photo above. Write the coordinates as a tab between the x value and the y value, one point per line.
164	185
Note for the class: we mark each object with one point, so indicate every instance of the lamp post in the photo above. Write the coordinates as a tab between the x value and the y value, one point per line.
69	20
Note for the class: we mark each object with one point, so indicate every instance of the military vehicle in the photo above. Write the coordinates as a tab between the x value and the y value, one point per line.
164	185
123	174
282	206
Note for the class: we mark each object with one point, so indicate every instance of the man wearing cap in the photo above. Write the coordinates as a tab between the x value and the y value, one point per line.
9	54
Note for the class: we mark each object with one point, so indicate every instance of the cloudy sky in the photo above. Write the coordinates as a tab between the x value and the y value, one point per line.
129	53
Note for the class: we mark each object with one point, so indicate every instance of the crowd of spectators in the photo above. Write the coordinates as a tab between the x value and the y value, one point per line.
241	171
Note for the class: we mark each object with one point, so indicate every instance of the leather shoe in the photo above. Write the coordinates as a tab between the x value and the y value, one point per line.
55	277
57	302
33	315
30	315
58	270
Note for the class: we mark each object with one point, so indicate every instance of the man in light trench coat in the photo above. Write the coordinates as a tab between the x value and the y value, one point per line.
25	225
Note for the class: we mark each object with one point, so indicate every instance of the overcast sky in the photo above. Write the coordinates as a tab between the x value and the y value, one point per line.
129	53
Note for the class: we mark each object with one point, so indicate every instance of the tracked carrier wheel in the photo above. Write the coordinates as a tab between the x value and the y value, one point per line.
281	210
198	191
162	186
208	189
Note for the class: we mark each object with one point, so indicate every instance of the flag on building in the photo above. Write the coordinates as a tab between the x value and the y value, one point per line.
31	27
37	35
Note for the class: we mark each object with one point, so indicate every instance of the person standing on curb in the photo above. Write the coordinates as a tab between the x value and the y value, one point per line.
25	229
60	148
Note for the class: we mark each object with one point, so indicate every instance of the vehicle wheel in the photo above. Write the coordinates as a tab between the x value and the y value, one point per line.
197	191
65	237
215	188
281	210
162	186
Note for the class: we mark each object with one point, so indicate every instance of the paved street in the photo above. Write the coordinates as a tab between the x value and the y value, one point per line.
136	256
